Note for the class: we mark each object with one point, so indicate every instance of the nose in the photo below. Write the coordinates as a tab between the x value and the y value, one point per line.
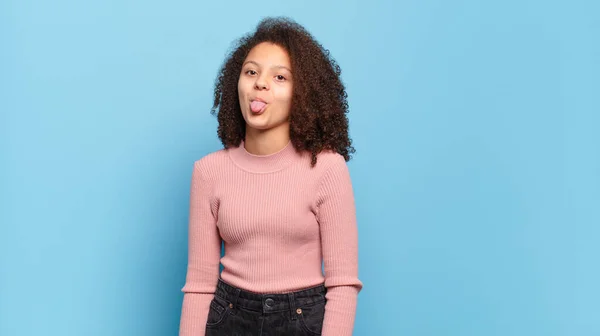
261	83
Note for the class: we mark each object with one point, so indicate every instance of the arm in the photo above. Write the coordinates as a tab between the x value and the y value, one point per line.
339	240
204	252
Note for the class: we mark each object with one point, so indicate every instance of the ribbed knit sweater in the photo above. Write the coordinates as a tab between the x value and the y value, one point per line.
282	222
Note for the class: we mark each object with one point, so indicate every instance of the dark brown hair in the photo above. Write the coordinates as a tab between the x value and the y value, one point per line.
318	118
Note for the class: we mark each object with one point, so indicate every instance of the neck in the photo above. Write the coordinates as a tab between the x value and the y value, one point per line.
265	163
267	142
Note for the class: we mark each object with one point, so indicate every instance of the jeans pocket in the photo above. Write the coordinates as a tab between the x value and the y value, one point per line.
218	312
311	318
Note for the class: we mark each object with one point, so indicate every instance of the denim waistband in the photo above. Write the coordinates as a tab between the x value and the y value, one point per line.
267	303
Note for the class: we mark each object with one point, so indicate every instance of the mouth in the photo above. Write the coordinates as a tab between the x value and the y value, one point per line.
257	105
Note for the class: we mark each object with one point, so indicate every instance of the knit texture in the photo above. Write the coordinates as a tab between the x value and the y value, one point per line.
279	219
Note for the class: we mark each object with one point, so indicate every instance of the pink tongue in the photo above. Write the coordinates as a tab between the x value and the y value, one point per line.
256	106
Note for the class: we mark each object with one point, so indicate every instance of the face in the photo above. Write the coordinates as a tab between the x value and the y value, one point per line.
265	88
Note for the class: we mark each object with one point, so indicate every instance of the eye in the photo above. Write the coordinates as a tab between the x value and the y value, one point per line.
280	78
251	72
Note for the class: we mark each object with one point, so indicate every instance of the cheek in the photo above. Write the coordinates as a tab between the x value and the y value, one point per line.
284	96
284	100
240	88
244	86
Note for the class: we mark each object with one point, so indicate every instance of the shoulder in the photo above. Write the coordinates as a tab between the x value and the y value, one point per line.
334	175
331	160
211	163
330	166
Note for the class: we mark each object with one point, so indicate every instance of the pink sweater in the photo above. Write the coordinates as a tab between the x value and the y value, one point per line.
279	219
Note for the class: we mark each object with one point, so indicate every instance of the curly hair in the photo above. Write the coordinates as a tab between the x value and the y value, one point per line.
319	107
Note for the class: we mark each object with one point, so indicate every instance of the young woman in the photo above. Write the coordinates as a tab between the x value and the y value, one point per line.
278	195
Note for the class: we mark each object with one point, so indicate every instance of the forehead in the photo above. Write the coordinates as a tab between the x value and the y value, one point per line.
269	54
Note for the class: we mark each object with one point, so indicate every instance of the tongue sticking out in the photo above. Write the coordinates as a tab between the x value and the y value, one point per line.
257	106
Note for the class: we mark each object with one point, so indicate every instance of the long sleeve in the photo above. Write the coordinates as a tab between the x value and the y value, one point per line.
204	251
339	239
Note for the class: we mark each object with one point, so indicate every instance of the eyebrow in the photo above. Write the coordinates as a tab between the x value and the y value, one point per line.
275	66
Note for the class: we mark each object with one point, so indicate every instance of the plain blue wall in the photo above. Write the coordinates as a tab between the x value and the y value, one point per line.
477	173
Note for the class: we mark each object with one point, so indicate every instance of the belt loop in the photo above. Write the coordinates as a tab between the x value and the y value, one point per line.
236	296
293	307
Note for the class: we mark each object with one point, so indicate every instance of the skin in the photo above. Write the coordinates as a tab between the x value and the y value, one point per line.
266	74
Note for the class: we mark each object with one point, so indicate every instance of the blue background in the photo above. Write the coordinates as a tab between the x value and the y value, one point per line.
477	172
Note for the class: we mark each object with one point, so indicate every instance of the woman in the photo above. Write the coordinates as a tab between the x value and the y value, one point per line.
278	195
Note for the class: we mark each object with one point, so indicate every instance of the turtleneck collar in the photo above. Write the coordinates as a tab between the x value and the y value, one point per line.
263	163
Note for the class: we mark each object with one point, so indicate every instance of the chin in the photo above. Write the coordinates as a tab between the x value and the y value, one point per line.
256	121
261	127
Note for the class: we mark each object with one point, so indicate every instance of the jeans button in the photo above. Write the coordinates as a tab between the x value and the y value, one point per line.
269	302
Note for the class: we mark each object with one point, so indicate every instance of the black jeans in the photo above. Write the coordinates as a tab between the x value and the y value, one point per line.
235	312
